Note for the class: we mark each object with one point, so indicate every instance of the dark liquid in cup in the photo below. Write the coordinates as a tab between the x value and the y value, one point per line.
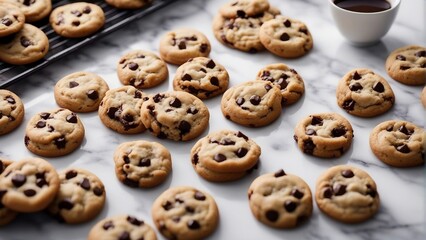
367	6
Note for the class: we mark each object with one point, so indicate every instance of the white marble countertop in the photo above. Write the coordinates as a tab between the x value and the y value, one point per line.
402	191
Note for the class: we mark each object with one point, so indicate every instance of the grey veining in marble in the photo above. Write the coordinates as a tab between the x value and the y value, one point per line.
402	191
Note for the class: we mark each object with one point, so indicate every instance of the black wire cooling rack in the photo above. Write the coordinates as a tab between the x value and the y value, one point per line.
60	46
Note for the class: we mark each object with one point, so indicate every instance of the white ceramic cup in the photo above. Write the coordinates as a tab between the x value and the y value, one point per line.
363	29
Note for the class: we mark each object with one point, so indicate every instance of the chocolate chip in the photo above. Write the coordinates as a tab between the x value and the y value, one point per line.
378	87
284	37
112	112
41	181
287	23
76	23
404	67
26	140
240	101
403	148
60	142
195	159
421	53
316	121
327	192
66	204
6	21
161	135
255	99
25	42
268	87
219	157
124	236
134	221
355	87
241	152
92	94
131	183
186	77
349	105
175	103
138	94
73	84
184	127
45	115
338	132
400	57
211	64
279	173
272	215
339	189
182	45
347	173
19	180
189	209
98	191
297	194
214	81
310	132
176	219
203	70
30	193
203	47
193	224
133	66
308	146
241	13
41	124
107	225
356	76
404	130
227	142
85	184
87	10
76	13
304	30
145	162
242	135
192	110
199	196
72	118
290	206
371	191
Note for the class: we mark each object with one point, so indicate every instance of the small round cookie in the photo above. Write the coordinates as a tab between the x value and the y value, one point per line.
11	111
286	37
6	215
347	194
286	79
175	115
12	19
28	185
423	96
280	200
325	135
201	77
54	133
128	4
34	10
252	104
185	213
226	151
407	65
141	69
80	91
363	93
398	143
120	110
179	45
121	227
27	46
142	164
81	196
76	20
244	8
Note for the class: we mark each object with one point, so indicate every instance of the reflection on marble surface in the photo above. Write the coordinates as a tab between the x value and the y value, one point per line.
402	212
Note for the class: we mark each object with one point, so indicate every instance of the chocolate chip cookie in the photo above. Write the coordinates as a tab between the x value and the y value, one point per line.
325	135
180	45
280	200
185	213
81	196
224	156
28	185
347	194
201	77
34	10
80	91
12	19
408	65
398	143
363	93
252	104
141	69
286	79
6	215
128	4
175	115
286	37
243	8
11	111
142	164
27	46
76	20
54	133
120	110
122	227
